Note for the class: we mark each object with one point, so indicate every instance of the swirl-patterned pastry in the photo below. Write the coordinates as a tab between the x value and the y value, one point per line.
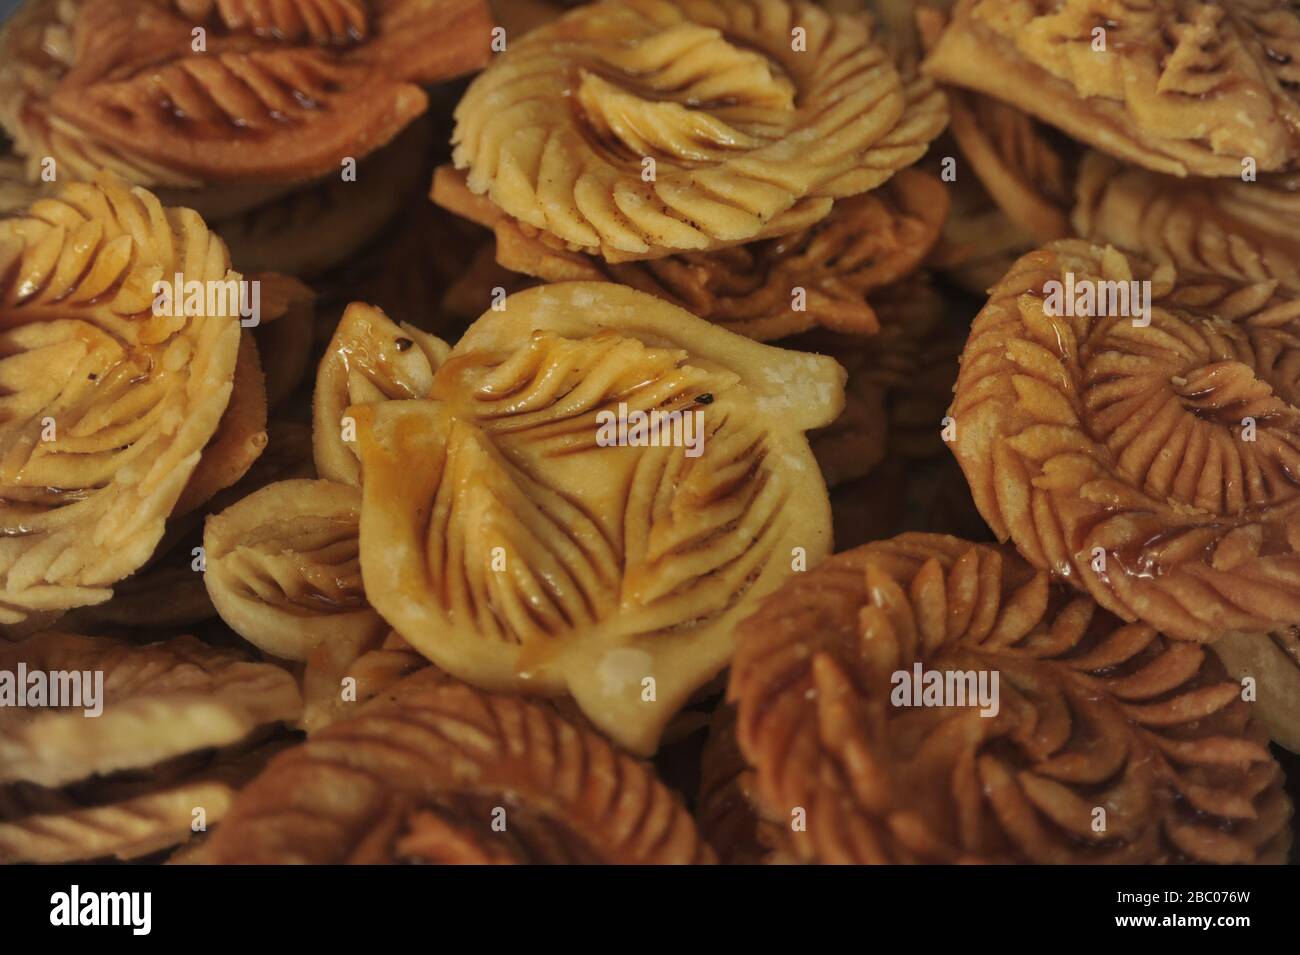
530	529
1186	87
1245	231
753	112
1152	465
159	701
107	401
280	92
439	773
283	568
819	276
1101	741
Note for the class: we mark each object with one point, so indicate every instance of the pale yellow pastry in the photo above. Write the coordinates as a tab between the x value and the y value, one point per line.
109	399
1185	87
641	128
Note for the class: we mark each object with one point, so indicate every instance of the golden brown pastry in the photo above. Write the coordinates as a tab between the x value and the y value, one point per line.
280	93
126	816
1144	454
1244	231
1274	664
822	275
438	773
642	128
1097	741
1185	87
109	400
514	532
349	669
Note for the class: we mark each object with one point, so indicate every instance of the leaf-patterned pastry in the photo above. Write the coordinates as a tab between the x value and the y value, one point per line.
105	406
279	92
1104	741
373	662
512	536
123	818
159	701
283	568
439	773
640	128
1186	87
1149	464
819	276
1245	231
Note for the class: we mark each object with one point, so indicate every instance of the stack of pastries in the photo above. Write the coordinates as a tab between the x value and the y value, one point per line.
636	394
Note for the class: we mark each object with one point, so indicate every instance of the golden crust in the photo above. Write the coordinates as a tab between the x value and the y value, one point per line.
1274	664
1181	86
160	700
1244	231
119	84
1150	466
369	359
132	397
465	759
744	128
1093	714
283	568
866	243
520	553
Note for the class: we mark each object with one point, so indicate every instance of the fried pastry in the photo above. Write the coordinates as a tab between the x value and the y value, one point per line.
1101	741
123	819
370	358
643	128
1185	87
283	567
822	275
159	701
108	406
279	94
1144	453
1274	665
1245	231
439	773
374	662
726	817
532	527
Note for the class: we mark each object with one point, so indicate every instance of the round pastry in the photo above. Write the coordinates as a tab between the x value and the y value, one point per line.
930	700
641	128
1186	87
1135	432
109	399
597	488
438	773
